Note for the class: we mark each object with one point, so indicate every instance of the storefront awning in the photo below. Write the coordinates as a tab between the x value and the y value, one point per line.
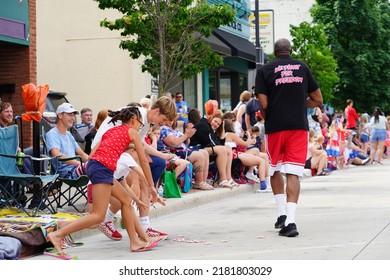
239	46
218	46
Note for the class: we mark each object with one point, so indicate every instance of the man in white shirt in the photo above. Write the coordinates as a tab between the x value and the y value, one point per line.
162	111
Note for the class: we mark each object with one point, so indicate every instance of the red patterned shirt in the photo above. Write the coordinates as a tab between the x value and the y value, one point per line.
114	142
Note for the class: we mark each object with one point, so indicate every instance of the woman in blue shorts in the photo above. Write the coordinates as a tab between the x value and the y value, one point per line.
379	126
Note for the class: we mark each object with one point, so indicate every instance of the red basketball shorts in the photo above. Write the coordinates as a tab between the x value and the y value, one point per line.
287	151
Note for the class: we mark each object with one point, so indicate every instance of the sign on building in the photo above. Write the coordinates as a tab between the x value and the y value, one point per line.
266	30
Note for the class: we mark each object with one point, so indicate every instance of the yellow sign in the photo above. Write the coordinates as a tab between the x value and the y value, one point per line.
266	30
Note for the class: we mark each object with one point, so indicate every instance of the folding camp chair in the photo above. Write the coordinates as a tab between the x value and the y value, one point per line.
74	190
13	182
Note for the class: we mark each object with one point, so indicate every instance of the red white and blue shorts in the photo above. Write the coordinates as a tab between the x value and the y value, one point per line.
287	151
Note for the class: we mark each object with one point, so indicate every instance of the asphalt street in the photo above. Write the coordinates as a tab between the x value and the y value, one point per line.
343	216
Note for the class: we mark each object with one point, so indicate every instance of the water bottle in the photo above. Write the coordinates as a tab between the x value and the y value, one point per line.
160	191
20	160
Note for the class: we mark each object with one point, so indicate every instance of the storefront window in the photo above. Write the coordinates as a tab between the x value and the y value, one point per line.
225	103
243	83
213	84
190	92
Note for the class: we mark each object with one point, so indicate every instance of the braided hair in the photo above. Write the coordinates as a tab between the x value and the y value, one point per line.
124	115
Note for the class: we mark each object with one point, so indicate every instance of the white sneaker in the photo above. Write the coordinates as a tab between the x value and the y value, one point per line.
252	177
267	190
307	172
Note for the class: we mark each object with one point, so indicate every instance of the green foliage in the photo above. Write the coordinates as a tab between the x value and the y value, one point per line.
310	45
358	32
168	34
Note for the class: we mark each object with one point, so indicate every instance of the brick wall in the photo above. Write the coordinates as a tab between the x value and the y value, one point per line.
18	65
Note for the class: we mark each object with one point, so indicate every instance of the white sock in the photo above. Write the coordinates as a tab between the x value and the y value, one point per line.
145	222
109	216
291	208
268	181
281	204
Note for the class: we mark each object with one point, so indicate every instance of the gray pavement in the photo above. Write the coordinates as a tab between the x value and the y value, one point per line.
343	216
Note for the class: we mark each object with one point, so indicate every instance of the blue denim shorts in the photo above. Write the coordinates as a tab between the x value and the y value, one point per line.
99	174
184	154
378	135
364	138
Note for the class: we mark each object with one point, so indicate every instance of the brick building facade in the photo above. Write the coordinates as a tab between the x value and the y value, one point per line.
18	66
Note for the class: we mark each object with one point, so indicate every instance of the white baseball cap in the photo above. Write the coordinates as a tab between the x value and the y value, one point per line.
66	108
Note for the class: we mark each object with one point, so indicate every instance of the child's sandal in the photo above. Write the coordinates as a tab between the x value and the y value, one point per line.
234	184
225	184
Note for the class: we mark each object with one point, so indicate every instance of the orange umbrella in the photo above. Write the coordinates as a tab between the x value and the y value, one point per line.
35	101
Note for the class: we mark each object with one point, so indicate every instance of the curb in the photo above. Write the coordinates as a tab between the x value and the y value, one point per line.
195	198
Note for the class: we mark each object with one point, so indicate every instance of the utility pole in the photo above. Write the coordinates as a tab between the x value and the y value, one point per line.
259	49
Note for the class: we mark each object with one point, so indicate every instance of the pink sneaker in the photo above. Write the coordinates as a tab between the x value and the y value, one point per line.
155	233
110	231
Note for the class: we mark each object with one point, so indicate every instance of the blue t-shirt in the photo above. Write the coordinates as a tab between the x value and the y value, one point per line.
182	109
66	144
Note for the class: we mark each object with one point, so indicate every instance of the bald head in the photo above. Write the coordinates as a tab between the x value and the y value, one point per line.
282	47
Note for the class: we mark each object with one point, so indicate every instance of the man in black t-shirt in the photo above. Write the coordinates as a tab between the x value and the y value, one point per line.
285	88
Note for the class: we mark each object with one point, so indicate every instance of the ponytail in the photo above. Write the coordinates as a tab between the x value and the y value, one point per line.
124	115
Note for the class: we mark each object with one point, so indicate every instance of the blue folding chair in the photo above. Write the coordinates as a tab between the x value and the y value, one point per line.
13	182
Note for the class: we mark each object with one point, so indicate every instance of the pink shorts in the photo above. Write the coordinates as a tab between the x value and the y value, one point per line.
287	151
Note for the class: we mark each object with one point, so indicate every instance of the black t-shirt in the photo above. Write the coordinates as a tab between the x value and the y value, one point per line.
286	82
204	135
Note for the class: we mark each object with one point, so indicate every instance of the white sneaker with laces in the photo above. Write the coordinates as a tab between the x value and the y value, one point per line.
252	177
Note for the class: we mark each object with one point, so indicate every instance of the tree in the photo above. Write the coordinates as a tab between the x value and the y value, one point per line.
310	45
169	34
358	31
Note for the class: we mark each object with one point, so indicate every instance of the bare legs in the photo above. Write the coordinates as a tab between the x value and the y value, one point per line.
264	156
200	162
251	160
101	196
221	160
377	148
293	187
319	162
180	166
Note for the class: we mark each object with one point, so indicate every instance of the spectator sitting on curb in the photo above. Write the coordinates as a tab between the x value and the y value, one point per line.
316	158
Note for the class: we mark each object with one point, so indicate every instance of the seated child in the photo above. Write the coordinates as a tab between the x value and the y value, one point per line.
156	142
